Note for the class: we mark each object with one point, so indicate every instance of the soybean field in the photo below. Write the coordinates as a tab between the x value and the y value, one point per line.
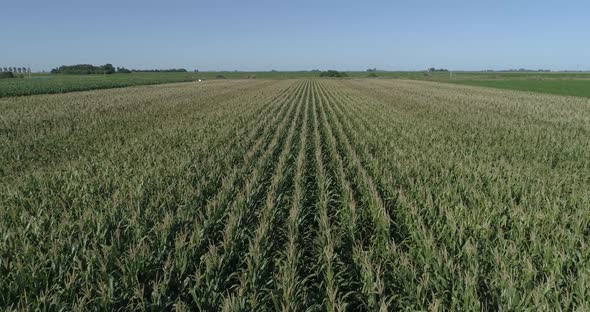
295	194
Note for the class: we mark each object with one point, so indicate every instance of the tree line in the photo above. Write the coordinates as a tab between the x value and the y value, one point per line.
15	70
107	69
333	73
84	69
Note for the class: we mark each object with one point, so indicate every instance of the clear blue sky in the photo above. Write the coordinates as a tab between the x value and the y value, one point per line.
298	35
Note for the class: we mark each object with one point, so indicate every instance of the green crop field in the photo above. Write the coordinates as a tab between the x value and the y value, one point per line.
52	83
562	83
46	83
573	87
295	194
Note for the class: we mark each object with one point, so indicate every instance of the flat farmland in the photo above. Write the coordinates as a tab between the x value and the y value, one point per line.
295	194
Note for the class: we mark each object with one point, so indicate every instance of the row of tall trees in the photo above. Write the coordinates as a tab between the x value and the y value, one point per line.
87	69
123	70
15	70
84	69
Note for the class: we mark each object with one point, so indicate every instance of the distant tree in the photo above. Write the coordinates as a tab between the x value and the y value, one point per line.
6	75
84	69
372	70
333	73
108	69
123	70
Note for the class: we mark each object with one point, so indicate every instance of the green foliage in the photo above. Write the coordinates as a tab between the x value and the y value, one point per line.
333	74
123	70
4	75
294	195
372	75
84	69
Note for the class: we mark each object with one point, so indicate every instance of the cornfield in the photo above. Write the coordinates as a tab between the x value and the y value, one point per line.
50	84
300	194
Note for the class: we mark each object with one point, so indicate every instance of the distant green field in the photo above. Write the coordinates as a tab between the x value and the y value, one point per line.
443	76
574	87
47	83
562	83
44	84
